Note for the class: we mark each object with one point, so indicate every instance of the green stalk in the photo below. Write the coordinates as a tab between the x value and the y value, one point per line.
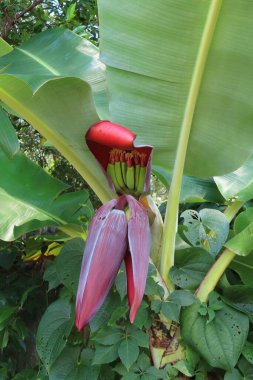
171	216
232	210
214	274
216	271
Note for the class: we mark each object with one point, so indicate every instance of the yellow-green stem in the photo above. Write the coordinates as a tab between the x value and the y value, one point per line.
216	271
232	210
214	274
171	216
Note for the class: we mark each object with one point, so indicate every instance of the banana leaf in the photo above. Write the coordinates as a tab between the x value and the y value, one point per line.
177	65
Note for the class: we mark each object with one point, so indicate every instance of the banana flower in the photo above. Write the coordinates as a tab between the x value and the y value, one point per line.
119	229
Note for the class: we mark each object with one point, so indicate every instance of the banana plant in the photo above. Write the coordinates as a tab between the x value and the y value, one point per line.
175	74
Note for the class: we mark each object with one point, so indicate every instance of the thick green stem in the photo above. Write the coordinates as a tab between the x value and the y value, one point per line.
171	216
216	271
214	274
232	210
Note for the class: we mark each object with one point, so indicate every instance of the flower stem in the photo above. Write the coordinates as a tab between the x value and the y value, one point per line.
216	271
170	225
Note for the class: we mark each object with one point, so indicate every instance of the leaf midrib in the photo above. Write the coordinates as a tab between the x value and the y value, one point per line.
40	61
33	207
57	141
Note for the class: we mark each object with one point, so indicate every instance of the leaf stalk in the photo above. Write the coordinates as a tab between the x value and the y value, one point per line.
216	271
171	216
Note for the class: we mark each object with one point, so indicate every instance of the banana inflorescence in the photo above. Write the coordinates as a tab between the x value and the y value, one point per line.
127	170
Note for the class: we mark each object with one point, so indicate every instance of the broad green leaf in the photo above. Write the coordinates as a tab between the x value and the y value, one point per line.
142	318
246	369
103	315
108	336
8	139
191	266
118	312
193	189
64	364
241	244
181	297
233	375
69	366
6	313
62	109
248	352
50	275
105	354
151	71
238	184
54	328
191	356
219	342
140	338
171	311
128	352
184	367
143	361
55	54
156	305
243	220
68	263
243	265
207	229
241	298
30	199
157	373
5	48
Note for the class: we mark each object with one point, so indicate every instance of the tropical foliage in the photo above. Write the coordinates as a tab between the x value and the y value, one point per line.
178	75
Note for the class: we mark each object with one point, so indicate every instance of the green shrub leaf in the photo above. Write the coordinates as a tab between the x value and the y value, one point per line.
54	328
128	352
248	352
243	265
207	229
241	298
69	366
68	263
105	354
108	336
8	139
219	342
191	265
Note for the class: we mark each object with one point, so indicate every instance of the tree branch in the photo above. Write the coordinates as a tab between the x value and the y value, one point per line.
11	22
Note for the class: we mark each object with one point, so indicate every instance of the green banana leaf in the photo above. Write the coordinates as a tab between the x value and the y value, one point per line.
193	190
31	199
4	47
70	95
179	69
56	54
8	139
238	184
161	56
